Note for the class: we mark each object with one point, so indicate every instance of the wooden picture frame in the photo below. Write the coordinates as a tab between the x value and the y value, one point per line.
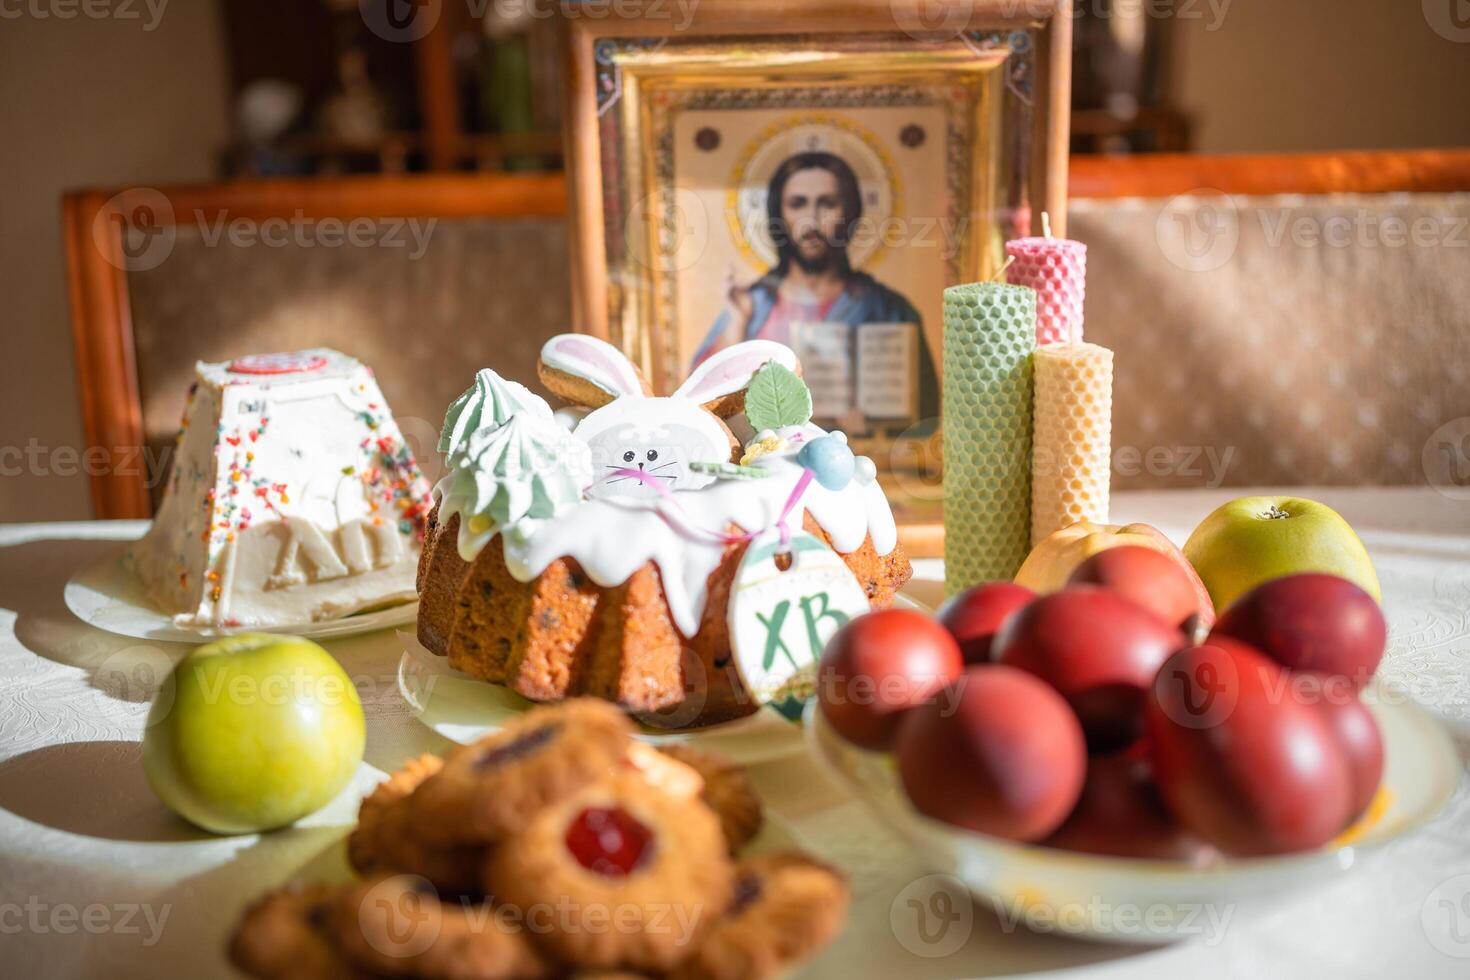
871	37
1001	147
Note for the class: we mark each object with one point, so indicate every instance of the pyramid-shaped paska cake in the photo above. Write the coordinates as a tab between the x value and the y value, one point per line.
293	497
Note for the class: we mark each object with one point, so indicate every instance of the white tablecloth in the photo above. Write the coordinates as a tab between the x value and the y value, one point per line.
97	879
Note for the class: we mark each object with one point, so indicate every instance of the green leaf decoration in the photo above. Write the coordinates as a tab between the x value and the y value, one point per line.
729	471
776	398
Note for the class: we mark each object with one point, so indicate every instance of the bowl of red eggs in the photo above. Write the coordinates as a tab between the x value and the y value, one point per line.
1112	762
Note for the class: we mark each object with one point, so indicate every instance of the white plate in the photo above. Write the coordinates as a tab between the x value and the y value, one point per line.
1139	901
463	708
106	594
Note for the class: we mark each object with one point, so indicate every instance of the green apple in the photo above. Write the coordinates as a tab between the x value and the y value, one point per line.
253	732
1256	539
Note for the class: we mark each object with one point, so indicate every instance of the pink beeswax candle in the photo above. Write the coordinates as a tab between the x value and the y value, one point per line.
1057	269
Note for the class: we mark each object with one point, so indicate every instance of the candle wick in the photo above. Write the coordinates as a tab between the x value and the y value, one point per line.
1000	274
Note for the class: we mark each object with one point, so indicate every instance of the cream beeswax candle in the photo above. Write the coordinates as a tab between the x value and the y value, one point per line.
1072	432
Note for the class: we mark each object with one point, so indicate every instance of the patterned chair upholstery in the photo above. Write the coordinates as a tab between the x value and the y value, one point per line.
484	291
1301	340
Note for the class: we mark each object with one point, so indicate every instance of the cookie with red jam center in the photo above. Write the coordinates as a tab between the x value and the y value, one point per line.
487	789
627	876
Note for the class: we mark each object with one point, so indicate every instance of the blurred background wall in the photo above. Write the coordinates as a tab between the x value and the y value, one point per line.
84	102
1300	75
110	101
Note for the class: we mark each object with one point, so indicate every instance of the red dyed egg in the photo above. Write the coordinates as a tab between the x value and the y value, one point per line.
878	666
1311	622
1239	759
1121	813
1149	578
975	615
1099	650
997	752
1362	743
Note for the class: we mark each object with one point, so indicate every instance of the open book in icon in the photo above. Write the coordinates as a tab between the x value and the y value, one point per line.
864	376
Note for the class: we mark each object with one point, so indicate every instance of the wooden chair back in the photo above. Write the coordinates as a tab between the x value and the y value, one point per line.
423	278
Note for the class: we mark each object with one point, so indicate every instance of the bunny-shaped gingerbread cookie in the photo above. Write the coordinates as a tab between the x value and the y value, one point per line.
630	428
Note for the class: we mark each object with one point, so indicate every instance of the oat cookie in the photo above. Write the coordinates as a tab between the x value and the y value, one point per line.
488	789
727	790
285	935
785	907
398	925
387	839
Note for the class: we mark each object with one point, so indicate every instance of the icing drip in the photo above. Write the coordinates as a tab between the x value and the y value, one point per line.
528	468
611	537
489	402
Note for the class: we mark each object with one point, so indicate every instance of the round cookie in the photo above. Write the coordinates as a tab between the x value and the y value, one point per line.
785	907
664	771
488	788
727	791
397	925
629	877
285	936
387	839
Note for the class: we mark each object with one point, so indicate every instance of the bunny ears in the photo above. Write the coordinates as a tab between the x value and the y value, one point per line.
586	371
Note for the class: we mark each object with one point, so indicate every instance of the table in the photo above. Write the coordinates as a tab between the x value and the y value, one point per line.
96	878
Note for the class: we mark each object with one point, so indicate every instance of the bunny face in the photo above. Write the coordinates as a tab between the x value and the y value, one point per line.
660	449
659	436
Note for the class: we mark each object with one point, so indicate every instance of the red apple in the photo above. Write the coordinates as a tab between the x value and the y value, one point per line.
1099	650
878	666
1239	760
1311	621
1150	578
975	615
1121	813
997	752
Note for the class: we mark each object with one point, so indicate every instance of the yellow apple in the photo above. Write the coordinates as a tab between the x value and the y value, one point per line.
1255	539
1054	559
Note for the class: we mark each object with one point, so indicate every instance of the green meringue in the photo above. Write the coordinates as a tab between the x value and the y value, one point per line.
526	469
489	402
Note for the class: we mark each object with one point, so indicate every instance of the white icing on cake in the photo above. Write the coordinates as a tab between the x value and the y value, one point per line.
515	477
611	538
293	497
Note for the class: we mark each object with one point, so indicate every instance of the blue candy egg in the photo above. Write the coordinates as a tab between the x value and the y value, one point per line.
830	461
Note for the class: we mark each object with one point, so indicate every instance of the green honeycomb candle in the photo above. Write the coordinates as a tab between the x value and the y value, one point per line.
989	334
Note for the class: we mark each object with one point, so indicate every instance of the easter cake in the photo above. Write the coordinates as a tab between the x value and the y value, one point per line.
293	497
593	551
